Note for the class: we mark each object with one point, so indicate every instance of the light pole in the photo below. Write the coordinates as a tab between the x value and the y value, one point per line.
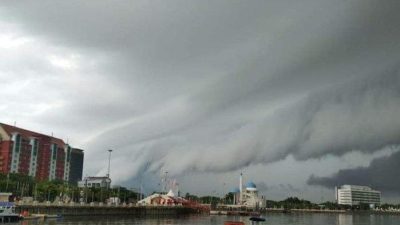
109	161
165	182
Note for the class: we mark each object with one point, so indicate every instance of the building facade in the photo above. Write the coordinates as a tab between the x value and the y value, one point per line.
356	195
248	196
34	154
95	182
76	165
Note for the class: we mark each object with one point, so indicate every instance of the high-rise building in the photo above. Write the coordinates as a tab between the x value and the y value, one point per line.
30	153
76	165
356	195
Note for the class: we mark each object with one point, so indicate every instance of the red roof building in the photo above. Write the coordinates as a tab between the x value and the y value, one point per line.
31	153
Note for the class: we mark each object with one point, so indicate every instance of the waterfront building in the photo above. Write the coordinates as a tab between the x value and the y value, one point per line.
236	195
356	195
95	182
38	155
248	197
163	199
76	165
5	197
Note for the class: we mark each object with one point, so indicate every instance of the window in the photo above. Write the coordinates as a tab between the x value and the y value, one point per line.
54	151
17	143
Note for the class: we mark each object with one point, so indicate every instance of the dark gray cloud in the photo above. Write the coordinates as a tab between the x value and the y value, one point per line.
287	188
203	86
360	115
382	174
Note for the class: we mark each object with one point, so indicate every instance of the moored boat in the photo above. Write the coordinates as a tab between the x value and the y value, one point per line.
49	216
7	212
257	219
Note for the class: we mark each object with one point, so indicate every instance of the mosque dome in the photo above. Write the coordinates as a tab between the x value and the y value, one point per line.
250	184
235	190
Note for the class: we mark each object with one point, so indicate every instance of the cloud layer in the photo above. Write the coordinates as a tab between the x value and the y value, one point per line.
203	86
359	115
382	174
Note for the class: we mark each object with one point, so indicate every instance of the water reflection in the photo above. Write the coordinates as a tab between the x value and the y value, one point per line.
345	219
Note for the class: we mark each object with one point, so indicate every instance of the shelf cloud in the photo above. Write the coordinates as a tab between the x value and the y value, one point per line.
382	174
359	115
203	86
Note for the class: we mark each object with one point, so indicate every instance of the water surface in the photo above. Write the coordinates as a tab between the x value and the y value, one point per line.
271	219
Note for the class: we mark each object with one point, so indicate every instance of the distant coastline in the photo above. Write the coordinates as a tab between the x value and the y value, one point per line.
271	210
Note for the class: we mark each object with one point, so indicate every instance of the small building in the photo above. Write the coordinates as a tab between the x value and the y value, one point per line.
5	197
95	182
356	195
236	195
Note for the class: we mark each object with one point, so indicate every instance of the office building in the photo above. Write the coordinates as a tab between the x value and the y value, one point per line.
30	153
76	165
356	195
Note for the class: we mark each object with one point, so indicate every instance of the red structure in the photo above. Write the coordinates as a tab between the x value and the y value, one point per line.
31	153
43	165
5	148
24	157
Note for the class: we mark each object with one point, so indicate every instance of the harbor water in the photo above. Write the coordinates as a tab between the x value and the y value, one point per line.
271	219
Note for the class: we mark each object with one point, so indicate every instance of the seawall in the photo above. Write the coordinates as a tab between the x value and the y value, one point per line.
106	210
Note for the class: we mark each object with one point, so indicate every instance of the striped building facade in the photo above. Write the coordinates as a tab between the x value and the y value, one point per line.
30	153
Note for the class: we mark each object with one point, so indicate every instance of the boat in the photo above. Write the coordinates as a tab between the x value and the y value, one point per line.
50	216
26	216
7	212
47	216
31	217
257	219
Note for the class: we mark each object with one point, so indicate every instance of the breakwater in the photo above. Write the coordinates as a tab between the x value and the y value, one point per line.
88	210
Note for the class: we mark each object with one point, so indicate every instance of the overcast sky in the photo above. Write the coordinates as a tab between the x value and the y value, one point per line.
296	94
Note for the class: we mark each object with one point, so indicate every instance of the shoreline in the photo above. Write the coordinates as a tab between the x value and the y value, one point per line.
330	211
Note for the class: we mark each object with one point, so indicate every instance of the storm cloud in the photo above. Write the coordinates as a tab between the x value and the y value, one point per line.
194	87
382	174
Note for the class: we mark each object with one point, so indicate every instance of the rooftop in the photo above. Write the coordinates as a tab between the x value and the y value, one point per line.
28	134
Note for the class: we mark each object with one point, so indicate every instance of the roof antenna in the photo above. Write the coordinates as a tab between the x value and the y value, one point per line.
15	123
52	134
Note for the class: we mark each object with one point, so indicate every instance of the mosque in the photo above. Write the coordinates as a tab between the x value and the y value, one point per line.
248	196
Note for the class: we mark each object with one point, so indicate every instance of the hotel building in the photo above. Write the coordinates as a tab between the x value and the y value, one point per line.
356	195
41	156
